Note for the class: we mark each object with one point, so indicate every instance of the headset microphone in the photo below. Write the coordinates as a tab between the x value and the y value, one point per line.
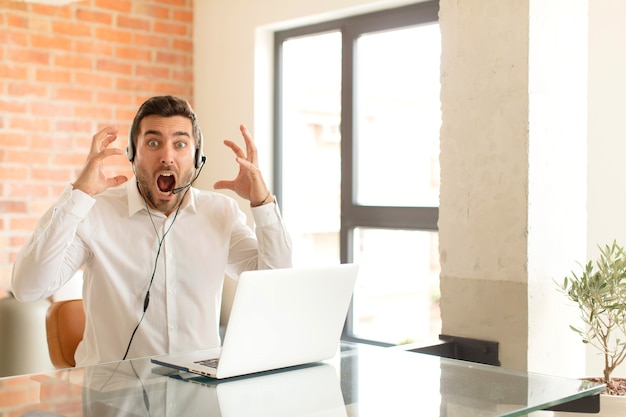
179	189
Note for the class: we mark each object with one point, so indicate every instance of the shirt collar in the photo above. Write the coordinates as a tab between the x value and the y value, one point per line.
136	202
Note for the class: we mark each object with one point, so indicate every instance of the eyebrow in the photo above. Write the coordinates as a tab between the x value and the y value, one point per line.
158	133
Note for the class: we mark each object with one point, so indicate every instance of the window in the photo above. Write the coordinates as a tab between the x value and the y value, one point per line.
357	161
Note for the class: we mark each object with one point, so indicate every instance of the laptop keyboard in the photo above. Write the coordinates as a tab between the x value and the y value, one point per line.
211	363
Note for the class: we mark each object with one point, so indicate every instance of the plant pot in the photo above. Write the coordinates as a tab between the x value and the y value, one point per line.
610	406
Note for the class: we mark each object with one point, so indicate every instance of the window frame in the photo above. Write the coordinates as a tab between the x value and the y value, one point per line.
354	215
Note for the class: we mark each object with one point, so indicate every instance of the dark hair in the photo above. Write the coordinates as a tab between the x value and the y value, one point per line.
164	106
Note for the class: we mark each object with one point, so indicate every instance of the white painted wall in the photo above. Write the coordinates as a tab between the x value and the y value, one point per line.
606	204
557	234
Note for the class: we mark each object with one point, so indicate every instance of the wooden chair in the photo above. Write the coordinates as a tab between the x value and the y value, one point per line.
65	324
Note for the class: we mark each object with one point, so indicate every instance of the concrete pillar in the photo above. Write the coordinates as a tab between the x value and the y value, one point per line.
513	175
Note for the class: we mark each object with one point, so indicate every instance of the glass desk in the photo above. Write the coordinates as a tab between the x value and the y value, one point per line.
359	381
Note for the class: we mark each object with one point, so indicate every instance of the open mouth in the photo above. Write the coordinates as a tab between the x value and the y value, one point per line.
166	182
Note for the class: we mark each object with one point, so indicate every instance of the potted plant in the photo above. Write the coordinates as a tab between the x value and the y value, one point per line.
599	291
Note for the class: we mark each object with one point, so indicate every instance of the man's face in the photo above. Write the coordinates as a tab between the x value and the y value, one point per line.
164	160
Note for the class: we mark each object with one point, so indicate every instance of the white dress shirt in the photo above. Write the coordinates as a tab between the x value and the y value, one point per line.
116	239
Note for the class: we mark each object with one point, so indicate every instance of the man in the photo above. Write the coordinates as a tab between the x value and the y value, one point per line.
155	250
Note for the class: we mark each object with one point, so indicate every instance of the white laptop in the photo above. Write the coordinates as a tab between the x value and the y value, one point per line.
279	318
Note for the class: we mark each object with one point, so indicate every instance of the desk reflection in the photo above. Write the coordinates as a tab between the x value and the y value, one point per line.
139	389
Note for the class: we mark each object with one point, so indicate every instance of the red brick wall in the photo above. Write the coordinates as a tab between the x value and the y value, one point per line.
66	72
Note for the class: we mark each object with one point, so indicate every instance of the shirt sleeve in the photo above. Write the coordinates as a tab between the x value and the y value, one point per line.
53	254
271	249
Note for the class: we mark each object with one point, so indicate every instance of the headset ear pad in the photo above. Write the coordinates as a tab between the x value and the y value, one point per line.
199	157
130	149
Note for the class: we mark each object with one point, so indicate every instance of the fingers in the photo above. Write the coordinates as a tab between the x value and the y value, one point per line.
102	155
224	185
249	182
246	161
235	148
96	159
103	139
100	145
117	180
250	146
92	179
251	151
